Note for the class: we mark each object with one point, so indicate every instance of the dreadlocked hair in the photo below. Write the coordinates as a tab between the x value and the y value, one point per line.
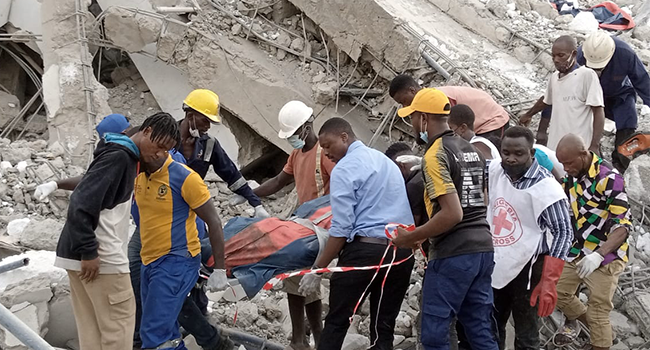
163	126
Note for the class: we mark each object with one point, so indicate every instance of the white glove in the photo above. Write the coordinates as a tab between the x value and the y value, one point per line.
589	264
44	190
260	212
217	281
309	284
236	199
410	159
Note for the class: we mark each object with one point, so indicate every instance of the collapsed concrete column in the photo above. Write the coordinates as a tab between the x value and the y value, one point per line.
75	101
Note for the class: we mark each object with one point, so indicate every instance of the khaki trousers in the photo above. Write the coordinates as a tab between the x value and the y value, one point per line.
602	285
104	311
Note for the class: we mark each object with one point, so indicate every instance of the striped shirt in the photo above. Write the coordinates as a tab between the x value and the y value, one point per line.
555	218
598	206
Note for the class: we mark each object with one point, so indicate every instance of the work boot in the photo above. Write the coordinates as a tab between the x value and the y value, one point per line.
224	344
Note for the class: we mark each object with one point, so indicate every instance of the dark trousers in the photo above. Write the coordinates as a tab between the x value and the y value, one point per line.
191	317
514	299
459	286
347	288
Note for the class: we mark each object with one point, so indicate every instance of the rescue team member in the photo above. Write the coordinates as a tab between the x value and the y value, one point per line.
491	118
310	169
601	224
403	156
572	91
112	123
200	150
367	193
169	196
525	202
461	121
622	77
92	245
458	280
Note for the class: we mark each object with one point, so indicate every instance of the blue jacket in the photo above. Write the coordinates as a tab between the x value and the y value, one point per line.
624	74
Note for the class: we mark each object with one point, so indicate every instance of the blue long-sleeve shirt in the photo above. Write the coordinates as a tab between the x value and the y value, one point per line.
367	191
624	74
222	165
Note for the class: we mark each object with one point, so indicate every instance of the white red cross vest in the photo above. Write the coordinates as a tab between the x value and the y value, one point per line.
513	216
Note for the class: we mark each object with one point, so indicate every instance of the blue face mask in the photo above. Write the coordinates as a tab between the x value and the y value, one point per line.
424	136
296	142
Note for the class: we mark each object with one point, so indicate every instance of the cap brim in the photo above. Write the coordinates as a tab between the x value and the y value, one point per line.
405	111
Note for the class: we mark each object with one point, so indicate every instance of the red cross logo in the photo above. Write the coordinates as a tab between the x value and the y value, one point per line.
505	223
501	221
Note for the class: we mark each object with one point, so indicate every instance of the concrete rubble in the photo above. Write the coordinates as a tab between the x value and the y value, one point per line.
257	57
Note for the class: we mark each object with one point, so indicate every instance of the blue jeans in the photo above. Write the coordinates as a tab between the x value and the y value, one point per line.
459	286
165	284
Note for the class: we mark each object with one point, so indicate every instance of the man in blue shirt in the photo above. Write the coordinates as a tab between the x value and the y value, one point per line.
367	192
622	77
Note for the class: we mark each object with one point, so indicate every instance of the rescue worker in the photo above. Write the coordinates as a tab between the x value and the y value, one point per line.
525	203
169	196
92	245
367	193
573	91
408	163
491	118
458	280
600	214
310	169
112	123
200	150
461	121
622	76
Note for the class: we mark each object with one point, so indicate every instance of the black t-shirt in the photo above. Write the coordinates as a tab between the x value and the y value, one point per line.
415	193
453	165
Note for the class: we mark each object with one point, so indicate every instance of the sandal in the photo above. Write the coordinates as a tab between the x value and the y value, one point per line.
567	334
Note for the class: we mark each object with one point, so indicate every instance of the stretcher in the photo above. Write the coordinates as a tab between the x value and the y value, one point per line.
256	250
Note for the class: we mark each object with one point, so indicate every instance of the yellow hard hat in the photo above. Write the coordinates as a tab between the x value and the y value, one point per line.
205	102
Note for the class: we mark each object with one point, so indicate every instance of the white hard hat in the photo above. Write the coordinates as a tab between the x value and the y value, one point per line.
598	50
292	116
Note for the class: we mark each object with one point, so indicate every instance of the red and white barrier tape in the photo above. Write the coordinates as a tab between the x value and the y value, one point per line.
391	232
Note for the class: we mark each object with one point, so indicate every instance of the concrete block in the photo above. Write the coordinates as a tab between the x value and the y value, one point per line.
33	315
61	333
355	342
637	179
525	53
32	290
41	234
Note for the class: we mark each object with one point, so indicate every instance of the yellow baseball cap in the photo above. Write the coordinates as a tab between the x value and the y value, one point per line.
429	100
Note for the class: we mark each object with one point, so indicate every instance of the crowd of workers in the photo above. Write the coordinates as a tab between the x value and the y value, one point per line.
513	224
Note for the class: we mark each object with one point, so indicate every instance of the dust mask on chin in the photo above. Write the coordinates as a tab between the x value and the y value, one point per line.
296	142
194	132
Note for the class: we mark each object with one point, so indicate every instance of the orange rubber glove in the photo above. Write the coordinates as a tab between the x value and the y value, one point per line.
545	291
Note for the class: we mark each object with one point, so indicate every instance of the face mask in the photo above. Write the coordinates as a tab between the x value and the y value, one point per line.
296	142
570	62
423	138
514	171
194	132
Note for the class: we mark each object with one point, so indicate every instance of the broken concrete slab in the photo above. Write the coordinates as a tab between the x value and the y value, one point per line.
41	234
130	30
357	25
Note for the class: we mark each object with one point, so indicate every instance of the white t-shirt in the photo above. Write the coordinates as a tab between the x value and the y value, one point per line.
572	97
494	152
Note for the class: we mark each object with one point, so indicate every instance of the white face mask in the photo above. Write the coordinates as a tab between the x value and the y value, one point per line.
194	132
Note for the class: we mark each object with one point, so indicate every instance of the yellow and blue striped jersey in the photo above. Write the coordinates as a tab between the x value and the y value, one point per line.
166	199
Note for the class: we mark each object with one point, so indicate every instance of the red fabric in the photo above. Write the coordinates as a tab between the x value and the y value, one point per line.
327	222
259	240
613	8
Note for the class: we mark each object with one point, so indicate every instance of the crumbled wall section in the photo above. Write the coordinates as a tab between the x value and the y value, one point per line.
354	25
63	82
